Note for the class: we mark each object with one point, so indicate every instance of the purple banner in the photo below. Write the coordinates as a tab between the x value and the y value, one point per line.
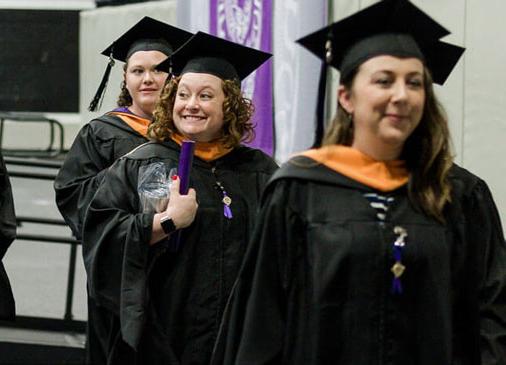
248	22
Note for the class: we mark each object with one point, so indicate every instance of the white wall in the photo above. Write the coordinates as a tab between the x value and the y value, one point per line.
193	15
474	95
296	74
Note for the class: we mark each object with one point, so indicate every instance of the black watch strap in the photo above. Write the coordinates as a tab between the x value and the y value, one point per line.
167	224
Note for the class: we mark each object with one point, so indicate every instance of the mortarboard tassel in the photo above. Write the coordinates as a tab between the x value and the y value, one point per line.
320	103
99	95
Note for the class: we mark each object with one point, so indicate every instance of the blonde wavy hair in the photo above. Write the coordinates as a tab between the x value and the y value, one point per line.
237	113
427	151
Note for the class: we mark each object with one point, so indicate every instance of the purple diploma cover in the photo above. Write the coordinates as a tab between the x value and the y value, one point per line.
185	165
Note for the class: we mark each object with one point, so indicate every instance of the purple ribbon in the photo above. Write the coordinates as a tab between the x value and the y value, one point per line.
396	281
396	286
397	253
227	212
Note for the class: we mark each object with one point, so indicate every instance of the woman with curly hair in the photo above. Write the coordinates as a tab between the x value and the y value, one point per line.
166	274
374	248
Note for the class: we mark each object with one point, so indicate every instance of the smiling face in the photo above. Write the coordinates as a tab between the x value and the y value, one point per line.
198	107
386	101
144	82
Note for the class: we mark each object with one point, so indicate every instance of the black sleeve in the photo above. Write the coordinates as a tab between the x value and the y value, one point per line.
116	247
253	325
7	214
80	176
7	235
486	233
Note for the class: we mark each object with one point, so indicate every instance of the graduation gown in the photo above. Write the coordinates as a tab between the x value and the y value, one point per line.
7	235
167	305
315	287
97	145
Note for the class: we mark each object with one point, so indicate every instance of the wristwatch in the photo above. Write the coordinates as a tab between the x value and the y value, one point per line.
167	224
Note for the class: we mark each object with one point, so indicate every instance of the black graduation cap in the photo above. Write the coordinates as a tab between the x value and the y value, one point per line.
147	35
205	53
393	27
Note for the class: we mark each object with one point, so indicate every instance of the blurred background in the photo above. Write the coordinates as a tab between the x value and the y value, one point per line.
50	67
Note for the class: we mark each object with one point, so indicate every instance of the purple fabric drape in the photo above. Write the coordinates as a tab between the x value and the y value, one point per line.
248	22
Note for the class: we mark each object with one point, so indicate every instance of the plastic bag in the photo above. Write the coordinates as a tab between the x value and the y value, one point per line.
153	186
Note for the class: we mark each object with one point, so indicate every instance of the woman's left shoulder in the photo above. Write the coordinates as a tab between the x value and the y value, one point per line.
254	157
470	194
465	183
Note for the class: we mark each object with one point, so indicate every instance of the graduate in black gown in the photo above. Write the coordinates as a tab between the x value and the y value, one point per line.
106	138
375	248
7	235
163	297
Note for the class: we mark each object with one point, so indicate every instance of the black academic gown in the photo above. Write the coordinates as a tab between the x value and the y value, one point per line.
97	145
315	287
7	235
167	305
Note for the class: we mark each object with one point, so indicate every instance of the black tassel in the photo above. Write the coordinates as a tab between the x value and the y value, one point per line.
322	88
99	95
320	104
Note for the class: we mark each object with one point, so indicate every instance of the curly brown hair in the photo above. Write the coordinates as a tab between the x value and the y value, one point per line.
237	113
427	151
124	98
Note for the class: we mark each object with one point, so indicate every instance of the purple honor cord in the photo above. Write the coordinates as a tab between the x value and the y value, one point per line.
398	268
227	212
396	281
